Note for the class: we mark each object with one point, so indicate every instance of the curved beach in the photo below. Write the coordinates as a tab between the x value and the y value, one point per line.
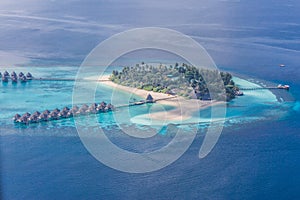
188	109
183	108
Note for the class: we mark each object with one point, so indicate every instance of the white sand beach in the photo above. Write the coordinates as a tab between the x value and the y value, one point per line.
184	108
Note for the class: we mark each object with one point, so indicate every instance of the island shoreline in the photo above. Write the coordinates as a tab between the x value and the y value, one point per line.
183	108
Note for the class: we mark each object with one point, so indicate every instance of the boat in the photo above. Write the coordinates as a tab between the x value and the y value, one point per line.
286	87
239	93
138	103
281	65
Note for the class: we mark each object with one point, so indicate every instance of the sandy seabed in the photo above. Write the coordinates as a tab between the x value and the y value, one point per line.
183	108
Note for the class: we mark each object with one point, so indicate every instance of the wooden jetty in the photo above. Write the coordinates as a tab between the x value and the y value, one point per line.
266	88
66	112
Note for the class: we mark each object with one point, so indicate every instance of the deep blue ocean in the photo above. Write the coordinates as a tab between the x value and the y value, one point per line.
257	155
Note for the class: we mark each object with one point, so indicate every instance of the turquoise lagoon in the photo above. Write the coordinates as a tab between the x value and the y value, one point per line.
39	95
257	148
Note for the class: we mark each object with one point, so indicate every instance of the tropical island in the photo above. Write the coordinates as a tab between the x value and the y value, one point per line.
185	88
182	80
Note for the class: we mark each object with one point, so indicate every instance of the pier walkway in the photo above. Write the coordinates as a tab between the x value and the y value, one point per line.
264	88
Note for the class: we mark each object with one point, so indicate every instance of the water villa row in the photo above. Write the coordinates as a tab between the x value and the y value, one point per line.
6	76
14	77
66	112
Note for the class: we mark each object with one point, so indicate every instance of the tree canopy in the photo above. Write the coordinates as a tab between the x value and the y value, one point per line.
184	80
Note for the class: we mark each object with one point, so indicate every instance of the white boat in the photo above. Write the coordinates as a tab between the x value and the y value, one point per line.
287	87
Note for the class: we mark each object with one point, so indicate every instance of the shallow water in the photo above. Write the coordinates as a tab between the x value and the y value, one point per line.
257	155
53	159
39	95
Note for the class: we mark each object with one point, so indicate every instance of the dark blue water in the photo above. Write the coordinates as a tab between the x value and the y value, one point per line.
257	155
248	163
256	159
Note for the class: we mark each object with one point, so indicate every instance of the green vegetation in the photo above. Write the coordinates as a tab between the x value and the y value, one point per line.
184	80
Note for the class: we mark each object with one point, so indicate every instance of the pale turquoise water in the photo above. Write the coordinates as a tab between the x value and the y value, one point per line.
40	95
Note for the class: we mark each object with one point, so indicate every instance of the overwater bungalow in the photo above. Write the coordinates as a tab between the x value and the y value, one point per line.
149	99
14	79
4	79
5	73
21	74
13	74
29	76
23	79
